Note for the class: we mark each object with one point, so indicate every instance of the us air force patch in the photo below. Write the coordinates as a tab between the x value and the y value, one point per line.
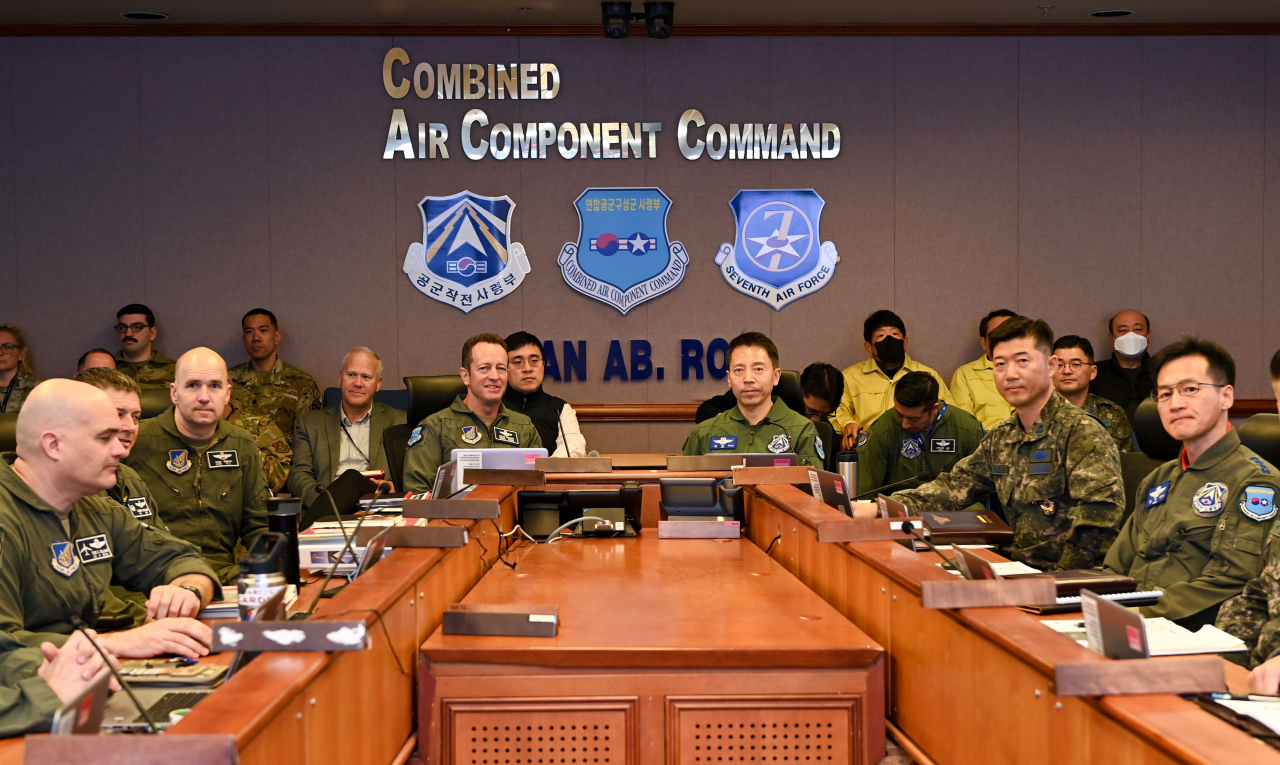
93	549
466	258
817	446
1259	503
942	445
1158	494
910	448
504	436
415	436
724	443
64	559
779	444
623	256
471	434
178	462
777	255
139	507
229	458
1209	499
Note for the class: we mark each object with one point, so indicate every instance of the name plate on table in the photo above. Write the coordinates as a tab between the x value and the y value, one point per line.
508	620
762	476
197	749
846	529
483	477
290	636
962	593
466	509
574	464
427	536
1194	674
720	529
709	462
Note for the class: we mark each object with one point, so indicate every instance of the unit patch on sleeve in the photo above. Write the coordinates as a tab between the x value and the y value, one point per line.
1259	503
139	507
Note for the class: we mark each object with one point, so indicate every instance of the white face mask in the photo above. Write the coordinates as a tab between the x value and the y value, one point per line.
1131	344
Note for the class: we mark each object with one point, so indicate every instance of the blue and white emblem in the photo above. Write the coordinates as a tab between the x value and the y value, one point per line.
817	445
415	436
1259	503
863	435
910	448
471	434
179	462
64	559
622	256
1209	499
777	256
466	257
1158	494
779	444
724	443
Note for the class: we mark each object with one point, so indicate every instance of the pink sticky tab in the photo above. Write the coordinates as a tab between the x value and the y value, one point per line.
530	459
1135	637
781	462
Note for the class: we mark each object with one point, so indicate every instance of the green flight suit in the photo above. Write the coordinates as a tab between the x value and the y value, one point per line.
268	405
27	703
1059	484
1196	532
125	609
888	454
212	496
156	372
781	431
44	571
459	428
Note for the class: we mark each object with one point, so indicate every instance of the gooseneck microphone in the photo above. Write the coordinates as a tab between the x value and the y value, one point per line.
74	620
879	489
912	529
382	487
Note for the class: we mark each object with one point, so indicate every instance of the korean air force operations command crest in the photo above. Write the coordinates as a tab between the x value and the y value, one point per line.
777	256
466	257
622	256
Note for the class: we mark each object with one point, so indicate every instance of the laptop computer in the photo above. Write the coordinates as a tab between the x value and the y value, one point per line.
1113	630
83	714
770	460
448	484
497	459
831	489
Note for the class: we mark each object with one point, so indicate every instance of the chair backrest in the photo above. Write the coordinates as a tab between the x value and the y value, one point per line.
1134	467
430	394
1153	439
788	389
1261	433
398	399
8	432
395	442
154	401
828	436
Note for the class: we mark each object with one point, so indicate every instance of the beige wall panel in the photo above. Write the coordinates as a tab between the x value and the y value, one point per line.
956	206
205	209
1079	182
1202	211
1271	195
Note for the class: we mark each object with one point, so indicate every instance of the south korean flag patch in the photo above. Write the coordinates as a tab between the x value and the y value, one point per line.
910	448
1209	499
817	446
139	507
779	444
1259	503
222	460
93	549
504	436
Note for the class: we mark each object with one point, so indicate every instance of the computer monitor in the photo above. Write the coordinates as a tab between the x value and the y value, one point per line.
541	512
1113	630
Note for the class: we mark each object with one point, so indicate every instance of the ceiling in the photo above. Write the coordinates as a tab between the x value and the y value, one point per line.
764	13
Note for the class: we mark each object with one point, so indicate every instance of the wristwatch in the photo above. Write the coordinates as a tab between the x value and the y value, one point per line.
194	591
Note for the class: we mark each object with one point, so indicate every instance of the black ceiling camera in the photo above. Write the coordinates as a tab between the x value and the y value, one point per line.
618	17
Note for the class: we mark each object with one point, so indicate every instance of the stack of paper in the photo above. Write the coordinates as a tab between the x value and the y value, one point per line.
1164	638
1264	709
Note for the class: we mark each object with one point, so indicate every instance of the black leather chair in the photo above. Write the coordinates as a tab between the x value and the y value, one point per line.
154	401
1153	439
1261	433
398	399
395	441
8	432
430	394
829	443
788	389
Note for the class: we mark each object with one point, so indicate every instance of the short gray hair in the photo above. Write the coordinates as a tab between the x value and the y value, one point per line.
364	350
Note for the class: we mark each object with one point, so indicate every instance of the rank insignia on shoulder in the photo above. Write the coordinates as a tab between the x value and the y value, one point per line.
817	446
93	549
779	444
724	443
139	507
64	559
1158	494
1209	499
504	436
943	446
1259	503
415	436
228	458
1261	465
178	462
863	435
471	434
910	448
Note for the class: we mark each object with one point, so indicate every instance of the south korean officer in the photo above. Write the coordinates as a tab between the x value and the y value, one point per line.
1200	521
757	424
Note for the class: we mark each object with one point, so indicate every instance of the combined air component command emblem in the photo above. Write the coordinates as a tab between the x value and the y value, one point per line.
1259	503
623	256
777	256
466	257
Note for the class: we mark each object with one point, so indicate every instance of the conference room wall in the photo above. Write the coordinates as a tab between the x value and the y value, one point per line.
1061	177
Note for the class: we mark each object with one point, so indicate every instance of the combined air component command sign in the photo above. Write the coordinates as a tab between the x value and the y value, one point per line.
466	257
777	256
622	256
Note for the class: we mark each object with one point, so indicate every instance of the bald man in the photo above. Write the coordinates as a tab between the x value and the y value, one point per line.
1125	378
205	473
63	546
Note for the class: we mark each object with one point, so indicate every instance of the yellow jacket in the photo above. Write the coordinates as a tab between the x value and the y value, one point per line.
866	391
973	389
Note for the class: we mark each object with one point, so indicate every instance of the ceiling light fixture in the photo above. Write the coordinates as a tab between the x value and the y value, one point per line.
145	15
1109	14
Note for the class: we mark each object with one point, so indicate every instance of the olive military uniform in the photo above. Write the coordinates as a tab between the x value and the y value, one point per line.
973	389
1059	484
888	454
868	391
14	394
125	609
459	428
1197	531
268	404
782	431
1113	418
212	495
1254	614
27	703
44	570
156	372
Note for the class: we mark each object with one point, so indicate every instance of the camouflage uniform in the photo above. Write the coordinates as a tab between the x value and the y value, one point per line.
1113	418
156	372
459	428
1254	614
267	405
12	399
1060	486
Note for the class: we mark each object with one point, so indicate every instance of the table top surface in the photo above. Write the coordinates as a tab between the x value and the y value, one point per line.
649	602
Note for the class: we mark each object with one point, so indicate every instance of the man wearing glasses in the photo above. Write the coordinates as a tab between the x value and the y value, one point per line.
1200	521
555	420
136	327
1075	370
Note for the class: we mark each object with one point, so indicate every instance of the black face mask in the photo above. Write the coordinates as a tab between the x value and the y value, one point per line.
891	350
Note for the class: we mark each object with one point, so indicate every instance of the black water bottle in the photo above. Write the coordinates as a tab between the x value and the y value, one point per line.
282	517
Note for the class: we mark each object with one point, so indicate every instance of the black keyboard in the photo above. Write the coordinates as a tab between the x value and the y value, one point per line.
170	702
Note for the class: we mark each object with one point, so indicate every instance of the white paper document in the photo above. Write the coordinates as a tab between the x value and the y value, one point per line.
1164	638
